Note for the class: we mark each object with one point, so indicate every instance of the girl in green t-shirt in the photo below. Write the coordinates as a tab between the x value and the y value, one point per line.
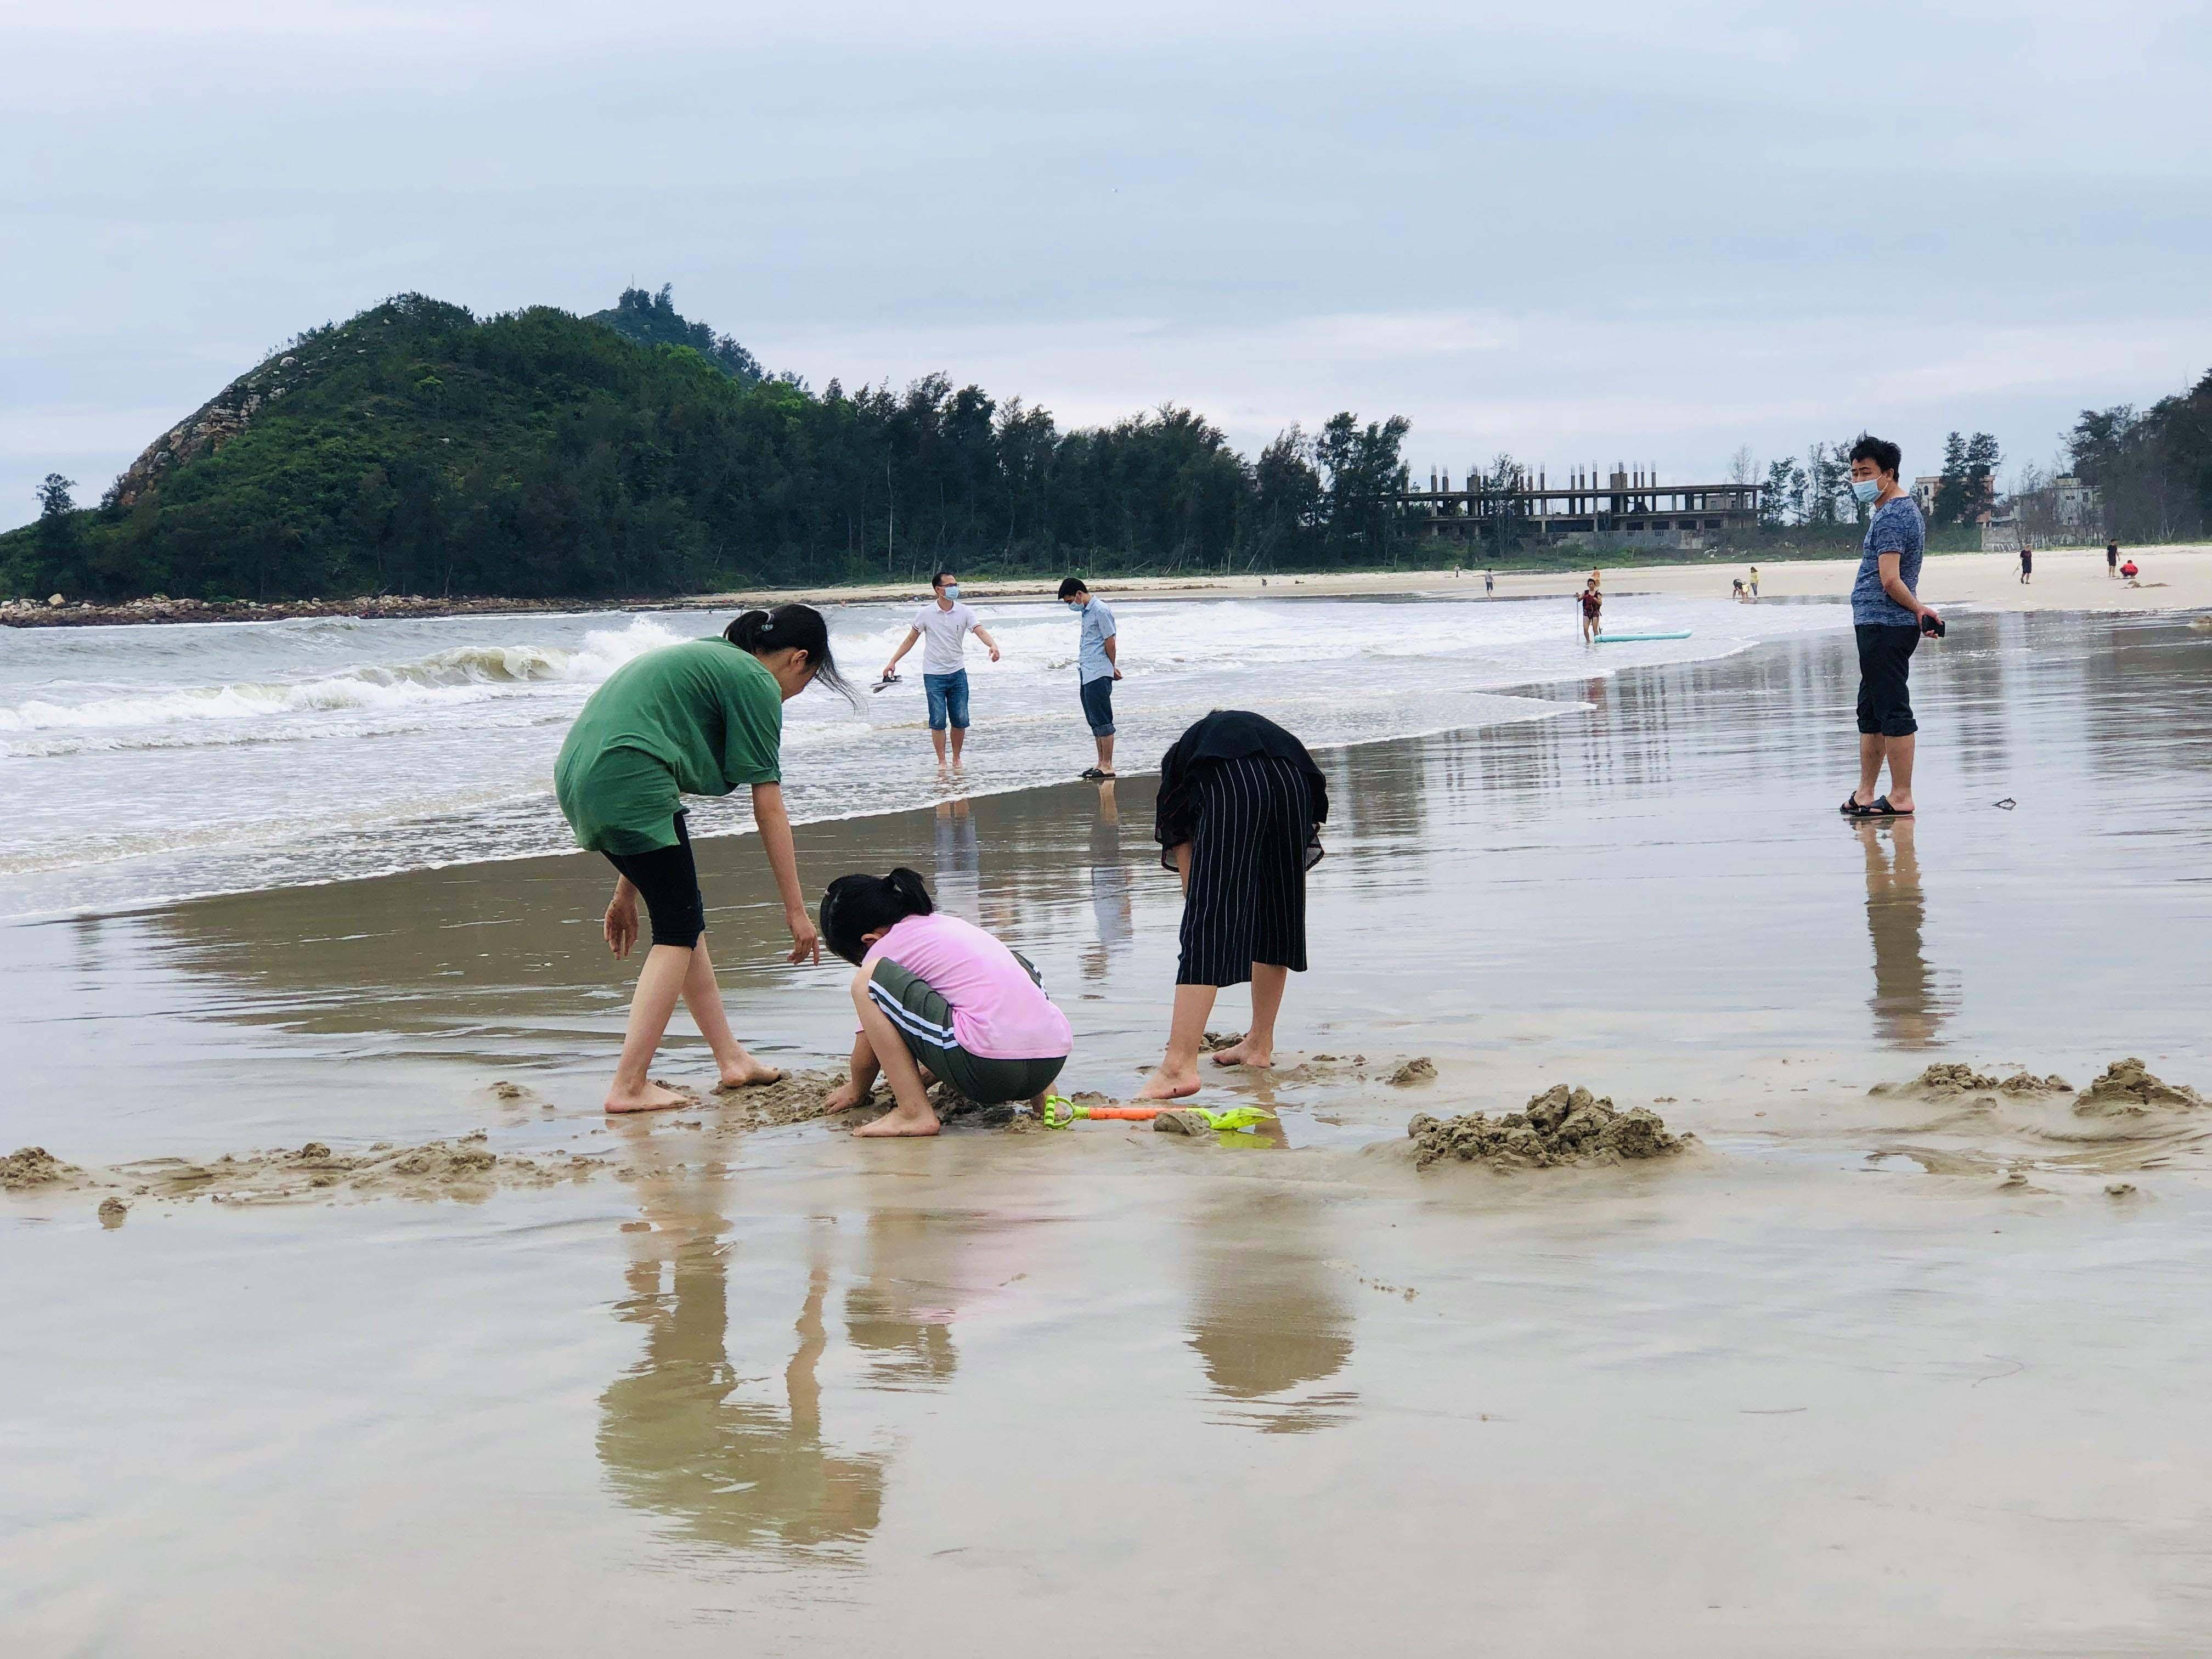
700	719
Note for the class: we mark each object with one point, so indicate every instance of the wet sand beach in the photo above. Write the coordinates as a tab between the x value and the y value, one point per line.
1911	1372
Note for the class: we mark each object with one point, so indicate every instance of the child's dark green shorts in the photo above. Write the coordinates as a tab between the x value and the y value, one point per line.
924	1020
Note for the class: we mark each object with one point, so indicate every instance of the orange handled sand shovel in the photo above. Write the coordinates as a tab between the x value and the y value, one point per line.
1060	1112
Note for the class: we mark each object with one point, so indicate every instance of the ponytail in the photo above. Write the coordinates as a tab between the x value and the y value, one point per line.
856	906
792	628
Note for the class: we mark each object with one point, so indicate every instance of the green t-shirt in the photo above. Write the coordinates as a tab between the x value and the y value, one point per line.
706	711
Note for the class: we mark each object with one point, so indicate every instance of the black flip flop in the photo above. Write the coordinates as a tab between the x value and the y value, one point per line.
1882	809
1852	808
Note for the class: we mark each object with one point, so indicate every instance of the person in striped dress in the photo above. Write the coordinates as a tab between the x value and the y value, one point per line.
1240	806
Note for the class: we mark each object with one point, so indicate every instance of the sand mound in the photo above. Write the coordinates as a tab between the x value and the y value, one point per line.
1950	1081
466	1168
1419	1069
796	1097
1560	1126
35	1166
2127	1088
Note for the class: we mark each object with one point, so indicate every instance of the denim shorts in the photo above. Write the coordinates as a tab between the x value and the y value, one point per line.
948	699
1099	705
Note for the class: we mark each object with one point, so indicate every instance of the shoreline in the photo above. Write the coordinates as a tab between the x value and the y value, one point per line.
2178	578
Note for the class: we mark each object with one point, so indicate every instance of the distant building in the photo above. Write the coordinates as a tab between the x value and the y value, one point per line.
1923	495
1625	507
2075	505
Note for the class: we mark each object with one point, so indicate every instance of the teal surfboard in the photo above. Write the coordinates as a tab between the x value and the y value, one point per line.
1632	639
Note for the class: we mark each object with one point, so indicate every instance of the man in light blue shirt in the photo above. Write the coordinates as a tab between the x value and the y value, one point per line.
1096	670
1889	619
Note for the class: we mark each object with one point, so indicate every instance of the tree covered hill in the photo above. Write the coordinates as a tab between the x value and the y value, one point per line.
651	319
417	448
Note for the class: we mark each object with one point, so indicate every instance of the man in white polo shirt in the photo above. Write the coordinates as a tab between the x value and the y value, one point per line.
946	623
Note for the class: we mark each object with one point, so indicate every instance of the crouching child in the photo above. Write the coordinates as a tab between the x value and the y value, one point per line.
938	999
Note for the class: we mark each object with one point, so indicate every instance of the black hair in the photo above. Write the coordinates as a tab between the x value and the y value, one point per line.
937	580
1886	455
1071	587
792	628
856	906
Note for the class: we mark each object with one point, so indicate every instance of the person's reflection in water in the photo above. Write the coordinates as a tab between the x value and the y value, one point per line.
1907	1005
959	861
1111	899
1268	1317
683	1434
896	1314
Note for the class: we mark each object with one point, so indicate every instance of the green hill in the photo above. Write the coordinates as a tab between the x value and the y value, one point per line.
417	448
651	319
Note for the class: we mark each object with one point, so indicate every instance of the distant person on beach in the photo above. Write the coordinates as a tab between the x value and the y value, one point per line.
940	1000
1592	603
698	718
2129	569
946	623
1888	618
2026	563
1096	668
2112	558
1738	595
1754	581
1489	583
1238	815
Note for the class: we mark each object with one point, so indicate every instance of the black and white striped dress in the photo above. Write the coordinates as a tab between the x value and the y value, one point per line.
1253	821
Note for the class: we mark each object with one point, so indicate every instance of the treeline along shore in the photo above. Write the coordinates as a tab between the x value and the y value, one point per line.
418	449
419	456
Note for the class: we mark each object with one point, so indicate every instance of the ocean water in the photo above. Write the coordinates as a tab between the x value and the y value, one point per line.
148	764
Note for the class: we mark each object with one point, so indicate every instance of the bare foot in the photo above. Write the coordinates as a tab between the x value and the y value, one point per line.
1163	1085
749	1073
649	1098
900	1122
1244	1052
844	1096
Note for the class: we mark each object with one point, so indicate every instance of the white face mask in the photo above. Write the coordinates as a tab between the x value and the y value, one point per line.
1863	490
951	590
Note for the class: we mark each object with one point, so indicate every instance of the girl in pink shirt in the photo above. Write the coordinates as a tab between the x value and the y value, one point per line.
937	993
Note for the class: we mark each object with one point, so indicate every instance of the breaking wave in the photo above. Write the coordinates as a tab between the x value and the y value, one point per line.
463	674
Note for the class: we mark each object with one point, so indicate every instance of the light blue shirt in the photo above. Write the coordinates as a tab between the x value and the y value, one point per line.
1092	661
1895	527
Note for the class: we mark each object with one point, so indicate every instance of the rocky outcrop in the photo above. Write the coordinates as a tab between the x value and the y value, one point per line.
212	425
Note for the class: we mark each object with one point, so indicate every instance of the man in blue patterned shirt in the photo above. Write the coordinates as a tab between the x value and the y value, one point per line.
1889	619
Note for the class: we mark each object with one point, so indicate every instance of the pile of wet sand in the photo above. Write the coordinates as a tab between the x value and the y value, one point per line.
1559	1126
32	1167
1951	1081
465	1169
2127	1088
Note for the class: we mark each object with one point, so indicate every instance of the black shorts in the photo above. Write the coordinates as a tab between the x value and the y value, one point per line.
1099	705
1885	660
668	881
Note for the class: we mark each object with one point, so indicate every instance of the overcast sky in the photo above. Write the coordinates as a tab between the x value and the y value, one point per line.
1583	234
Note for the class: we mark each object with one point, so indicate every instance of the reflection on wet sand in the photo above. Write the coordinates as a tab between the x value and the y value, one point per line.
1112	902
957	880
1269	1315
686	1434
1908	1007
896	1315
692	1434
